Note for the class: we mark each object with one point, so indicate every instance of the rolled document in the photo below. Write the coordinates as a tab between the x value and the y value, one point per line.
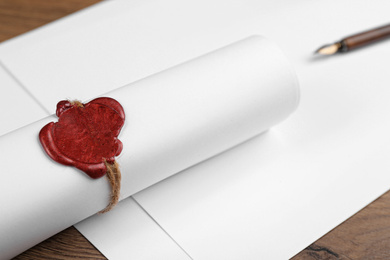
174	120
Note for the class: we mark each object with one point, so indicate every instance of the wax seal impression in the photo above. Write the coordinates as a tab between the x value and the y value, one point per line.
86	137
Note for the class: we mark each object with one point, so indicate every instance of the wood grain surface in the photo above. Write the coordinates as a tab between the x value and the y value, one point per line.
68	244
366	235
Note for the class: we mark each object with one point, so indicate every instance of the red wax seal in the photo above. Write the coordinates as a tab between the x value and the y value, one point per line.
85	135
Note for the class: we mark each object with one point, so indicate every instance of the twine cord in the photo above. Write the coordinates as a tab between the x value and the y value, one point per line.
114	177
77	103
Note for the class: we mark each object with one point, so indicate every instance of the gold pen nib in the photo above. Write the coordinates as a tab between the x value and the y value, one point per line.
329	49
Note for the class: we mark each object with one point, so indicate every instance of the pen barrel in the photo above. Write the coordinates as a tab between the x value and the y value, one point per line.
364	38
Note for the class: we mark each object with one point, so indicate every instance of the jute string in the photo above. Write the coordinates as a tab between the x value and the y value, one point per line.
77	103
114	177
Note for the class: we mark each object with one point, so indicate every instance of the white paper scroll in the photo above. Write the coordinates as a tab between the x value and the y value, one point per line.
174	120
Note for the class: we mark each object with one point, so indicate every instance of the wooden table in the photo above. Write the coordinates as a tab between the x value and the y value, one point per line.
366	235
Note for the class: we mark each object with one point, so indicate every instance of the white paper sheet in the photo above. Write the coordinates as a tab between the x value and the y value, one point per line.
17	107
339	96
276	194
175	119
139	234
118	42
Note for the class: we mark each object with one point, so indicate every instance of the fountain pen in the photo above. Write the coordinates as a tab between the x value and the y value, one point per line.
356	41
